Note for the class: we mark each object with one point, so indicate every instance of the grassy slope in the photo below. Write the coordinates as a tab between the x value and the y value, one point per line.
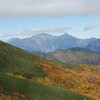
37	91
17	61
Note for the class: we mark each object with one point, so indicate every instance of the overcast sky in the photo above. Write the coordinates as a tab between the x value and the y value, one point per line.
80	18
42	8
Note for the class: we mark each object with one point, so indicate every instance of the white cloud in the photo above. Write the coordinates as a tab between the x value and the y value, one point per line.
88	27
31	32
43	8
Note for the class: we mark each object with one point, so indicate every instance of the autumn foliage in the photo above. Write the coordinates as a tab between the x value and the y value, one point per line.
12	96
84	79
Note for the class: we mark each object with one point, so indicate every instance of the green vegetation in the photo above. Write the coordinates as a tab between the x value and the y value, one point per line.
17	61
66	65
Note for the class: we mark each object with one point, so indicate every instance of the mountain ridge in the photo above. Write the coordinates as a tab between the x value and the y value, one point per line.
73	55
95	45
48	43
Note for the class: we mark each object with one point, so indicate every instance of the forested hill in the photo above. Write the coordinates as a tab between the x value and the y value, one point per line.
73	55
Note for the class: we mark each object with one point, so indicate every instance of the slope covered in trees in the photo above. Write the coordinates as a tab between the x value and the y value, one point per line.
73	55
84	79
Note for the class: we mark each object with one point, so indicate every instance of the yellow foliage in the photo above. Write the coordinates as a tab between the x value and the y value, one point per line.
84	79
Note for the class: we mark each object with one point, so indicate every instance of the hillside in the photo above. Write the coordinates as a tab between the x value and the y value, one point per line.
83	79
22	89
48	43
18	66
17	61
95	45
74	55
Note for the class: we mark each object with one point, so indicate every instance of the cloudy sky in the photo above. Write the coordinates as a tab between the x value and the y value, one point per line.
23	18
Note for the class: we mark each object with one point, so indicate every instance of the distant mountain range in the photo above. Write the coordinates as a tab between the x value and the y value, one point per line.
48	43
74	55
95	45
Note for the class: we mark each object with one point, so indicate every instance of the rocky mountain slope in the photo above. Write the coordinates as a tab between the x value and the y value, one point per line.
95	45
48	43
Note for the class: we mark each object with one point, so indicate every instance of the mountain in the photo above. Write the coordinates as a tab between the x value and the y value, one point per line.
48	43
89	40
95	45
39	42
73	55
25	76
66	41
